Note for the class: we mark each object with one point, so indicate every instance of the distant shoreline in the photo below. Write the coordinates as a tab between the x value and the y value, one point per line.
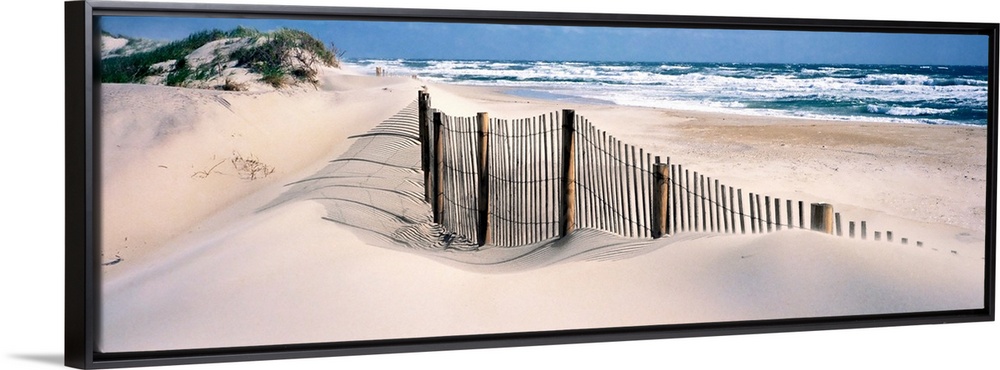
934	95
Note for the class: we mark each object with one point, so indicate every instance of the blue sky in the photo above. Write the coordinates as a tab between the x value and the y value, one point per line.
410	40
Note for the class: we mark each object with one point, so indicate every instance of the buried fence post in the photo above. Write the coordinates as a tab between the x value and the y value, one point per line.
661	192
567	212
822	217
482	155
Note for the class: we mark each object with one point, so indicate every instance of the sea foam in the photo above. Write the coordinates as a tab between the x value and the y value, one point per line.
897	93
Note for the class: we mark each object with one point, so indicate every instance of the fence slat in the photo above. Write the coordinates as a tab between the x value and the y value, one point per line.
458	173
836	217
674	200
513	130
704	223
459	178
636	194
687	206
788	208
551	184
694	191
777	214
743	229
525	183
581	179
608	184
618	169
495	143
726	210
644	171
461	171
719	201
767	210
509	187
760	218
597	186
802	217
530	180
670	217
592	179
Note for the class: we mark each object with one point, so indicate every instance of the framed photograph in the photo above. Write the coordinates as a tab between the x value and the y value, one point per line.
250	182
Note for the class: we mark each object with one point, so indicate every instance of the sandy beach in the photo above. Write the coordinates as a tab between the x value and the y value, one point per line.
210	237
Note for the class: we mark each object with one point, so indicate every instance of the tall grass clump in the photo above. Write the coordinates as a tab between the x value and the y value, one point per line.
284	55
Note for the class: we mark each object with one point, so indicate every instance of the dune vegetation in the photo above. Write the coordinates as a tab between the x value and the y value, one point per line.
227	60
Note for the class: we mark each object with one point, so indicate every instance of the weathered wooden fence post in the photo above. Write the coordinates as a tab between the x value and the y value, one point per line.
438	202
424	118
483	233
661	192
822	218
567	204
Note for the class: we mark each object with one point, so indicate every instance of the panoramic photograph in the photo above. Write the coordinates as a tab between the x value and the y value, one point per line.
270	181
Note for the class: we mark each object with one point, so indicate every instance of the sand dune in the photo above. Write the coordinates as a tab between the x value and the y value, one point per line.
336	244
171	156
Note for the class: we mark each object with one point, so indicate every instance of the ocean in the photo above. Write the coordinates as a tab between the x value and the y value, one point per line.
927	94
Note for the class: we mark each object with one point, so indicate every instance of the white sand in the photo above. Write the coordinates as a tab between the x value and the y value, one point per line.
203	268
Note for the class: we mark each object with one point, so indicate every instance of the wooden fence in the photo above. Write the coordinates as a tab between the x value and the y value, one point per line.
517	182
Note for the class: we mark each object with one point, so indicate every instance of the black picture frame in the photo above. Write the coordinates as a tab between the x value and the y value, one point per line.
82	265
